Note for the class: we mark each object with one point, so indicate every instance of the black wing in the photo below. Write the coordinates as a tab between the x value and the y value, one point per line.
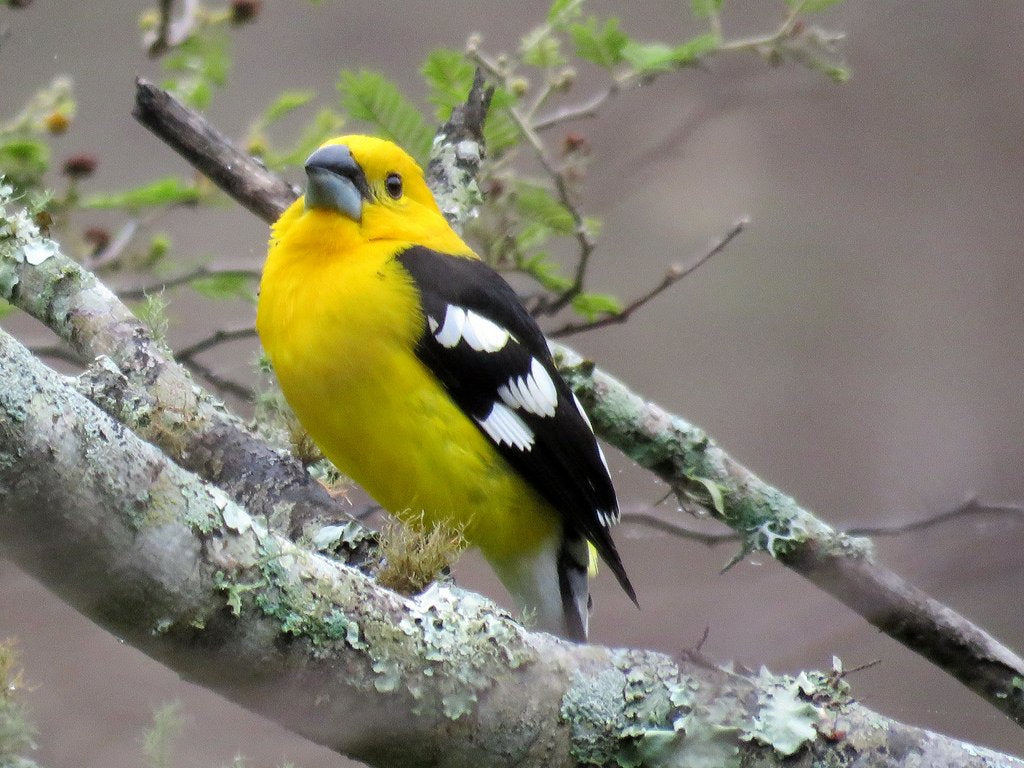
489	354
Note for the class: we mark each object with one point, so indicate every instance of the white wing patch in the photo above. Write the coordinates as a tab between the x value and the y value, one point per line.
461	324
482	334
535	392
451	331
504	426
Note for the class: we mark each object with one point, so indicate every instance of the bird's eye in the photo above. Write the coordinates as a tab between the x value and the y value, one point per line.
393	184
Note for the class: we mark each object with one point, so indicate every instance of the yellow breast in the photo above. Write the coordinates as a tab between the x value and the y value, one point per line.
340	327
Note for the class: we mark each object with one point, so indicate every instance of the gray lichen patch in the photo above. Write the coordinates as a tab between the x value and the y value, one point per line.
441	650
592	707
462	641
21	241
454	168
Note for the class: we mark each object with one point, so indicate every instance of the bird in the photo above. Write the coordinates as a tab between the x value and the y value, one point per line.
418	372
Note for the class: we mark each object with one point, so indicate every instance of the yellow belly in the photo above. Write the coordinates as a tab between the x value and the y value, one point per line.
340	334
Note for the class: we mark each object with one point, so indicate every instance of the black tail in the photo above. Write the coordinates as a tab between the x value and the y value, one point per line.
573	562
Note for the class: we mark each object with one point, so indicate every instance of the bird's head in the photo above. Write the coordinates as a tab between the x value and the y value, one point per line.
375	185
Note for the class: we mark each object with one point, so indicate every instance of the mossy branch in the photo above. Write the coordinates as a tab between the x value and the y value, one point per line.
174	566
137	381
768	519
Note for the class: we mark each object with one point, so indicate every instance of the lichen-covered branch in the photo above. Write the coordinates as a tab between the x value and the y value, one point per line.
174	566
234	171
456	155
145	388
768	519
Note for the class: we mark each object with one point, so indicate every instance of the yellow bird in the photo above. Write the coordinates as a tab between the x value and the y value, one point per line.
415	368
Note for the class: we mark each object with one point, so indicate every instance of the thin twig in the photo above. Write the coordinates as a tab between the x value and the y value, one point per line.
113	250
672	276
584	109
970	508
583	236
220	382
220	336
134	294
171	32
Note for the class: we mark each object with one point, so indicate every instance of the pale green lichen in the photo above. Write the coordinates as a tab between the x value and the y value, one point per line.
20	241
592	708
443	652
785	720
458	196
461	639
708	735
655	717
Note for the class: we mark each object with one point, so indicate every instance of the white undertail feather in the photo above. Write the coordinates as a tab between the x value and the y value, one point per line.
533	582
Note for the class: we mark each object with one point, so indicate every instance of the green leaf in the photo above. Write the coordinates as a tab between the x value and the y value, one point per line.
166	191
545	272
837	73
286	103
591	305
225	285
693	49
648	57
371	97
198	93
532	235
540	48
659	57
206	53
714	491
811	6
563	10
704	8
501	132
23	161
5	308
326	124
600	44
449	75
537	204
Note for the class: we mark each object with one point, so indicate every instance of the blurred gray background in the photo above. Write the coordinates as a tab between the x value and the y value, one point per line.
859	346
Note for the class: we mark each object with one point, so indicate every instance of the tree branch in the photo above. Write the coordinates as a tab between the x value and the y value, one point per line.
769	520
151	393
211	152
220	336
171	564
672	276
140	292
970	508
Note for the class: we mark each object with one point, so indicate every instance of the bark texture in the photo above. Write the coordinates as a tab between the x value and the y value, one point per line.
696	467
172	565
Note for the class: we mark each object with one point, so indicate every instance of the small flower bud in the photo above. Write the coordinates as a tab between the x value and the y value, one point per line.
575	143
97	237
565	80
79	166
57	122
243	11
